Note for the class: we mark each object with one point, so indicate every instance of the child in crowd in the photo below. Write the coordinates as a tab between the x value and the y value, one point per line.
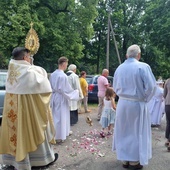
108	113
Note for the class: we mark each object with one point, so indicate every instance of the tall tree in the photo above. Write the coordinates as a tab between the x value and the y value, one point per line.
156	28
59	24
125	18
95	49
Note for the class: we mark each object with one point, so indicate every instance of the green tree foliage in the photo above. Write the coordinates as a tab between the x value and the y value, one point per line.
141	22
13	26
125	18
78	30
95	49
156	27
61	25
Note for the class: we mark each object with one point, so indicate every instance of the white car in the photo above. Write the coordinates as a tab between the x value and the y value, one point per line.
3	76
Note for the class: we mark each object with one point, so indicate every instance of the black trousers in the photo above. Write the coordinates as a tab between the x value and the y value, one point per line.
167	132
73	117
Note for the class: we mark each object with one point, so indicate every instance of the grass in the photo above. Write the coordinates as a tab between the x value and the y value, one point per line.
92	104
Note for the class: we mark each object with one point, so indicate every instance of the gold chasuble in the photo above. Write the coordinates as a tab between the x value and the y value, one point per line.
26	113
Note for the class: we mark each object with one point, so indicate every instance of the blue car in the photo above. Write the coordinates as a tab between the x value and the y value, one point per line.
93	87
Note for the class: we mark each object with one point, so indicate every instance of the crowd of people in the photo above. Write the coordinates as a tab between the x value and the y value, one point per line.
42	110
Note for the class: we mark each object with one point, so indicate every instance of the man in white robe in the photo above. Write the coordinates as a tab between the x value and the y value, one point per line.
156	105
135	84
27	130
61	97
75	84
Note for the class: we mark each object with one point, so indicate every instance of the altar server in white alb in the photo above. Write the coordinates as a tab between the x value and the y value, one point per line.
135	84
75	84
27	130
156	105
62	94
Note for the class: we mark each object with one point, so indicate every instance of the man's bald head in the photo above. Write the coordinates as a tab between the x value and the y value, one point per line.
105	72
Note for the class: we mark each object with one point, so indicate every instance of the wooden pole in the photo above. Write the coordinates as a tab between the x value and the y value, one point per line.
118	56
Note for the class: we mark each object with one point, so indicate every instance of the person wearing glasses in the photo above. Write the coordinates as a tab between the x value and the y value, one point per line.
27	131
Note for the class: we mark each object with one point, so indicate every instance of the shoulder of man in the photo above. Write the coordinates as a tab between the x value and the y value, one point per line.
38	69
144	64
68	73
167	81
99	78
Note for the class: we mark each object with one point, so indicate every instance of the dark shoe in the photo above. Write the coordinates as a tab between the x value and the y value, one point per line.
56	157
125	165
70	133
109	133
135	167
8	167
166	144
102	134
168	148
46	166
152	125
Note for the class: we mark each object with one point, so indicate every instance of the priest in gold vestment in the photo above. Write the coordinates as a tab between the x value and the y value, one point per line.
27	131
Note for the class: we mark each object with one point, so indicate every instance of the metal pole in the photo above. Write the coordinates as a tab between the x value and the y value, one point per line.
114	41
108	42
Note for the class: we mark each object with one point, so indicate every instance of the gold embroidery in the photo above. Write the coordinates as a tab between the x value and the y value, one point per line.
11	112
11	103
13	139
12	115
13	128
13	73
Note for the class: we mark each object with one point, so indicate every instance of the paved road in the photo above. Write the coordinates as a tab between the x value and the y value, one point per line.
86	150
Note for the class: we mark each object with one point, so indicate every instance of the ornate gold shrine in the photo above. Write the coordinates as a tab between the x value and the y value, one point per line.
32	41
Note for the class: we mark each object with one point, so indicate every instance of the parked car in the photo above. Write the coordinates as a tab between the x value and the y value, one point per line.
93	86
3	76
